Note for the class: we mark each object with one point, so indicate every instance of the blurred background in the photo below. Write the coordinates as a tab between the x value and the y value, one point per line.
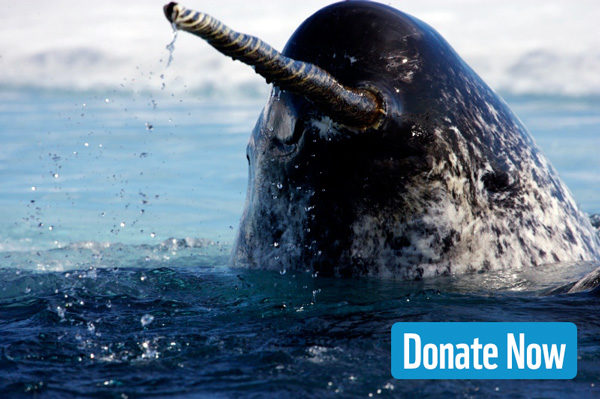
102	142
518	47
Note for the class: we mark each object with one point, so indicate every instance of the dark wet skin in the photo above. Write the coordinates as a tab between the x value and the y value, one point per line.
311	183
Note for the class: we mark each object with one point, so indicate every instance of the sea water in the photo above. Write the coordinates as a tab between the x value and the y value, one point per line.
117	214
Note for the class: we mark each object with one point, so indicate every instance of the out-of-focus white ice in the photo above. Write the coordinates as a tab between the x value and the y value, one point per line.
549	47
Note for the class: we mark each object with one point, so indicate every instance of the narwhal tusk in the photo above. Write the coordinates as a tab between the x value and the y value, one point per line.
354	107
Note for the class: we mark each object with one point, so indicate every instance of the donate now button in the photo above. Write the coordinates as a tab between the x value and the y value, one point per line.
484	350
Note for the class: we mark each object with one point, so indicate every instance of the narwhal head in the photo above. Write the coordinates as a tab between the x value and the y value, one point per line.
380	150
333	141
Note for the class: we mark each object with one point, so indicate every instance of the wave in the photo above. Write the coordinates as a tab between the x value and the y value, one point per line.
529	49
91	255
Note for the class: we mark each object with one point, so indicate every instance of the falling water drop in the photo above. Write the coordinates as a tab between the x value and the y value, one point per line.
171	46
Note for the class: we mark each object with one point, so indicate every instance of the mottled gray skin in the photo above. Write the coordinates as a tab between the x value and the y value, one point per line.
450	181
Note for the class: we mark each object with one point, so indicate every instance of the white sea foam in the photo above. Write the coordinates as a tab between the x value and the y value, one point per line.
549	47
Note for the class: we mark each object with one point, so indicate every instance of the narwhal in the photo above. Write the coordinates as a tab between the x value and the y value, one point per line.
381	152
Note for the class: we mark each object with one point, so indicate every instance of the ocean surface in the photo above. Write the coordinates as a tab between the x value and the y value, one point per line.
122	183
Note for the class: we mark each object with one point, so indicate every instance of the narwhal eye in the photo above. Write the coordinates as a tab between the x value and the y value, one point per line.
298	131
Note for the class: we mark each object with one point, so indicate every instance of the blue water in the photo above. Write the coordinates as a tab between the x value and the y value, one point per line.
116	220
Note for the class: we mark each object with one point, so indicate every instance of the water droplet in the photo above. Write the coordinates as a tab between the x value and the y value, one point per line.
27	290
279	186
152	235
107	100
149	126
50	228
86	144
276	244
146	319
55	175
91	327
314	294
122	224
33	188
282	271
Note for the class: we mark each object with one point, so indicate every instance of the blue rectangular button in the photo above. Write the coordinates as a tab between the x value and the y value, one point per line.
475	350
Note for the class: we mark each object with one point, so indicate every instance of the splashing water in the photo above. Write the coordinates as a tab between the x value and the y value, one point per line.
171	45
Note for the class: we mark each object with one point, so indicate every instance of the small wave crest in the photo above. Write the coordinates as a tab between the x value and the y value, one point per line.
84	255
